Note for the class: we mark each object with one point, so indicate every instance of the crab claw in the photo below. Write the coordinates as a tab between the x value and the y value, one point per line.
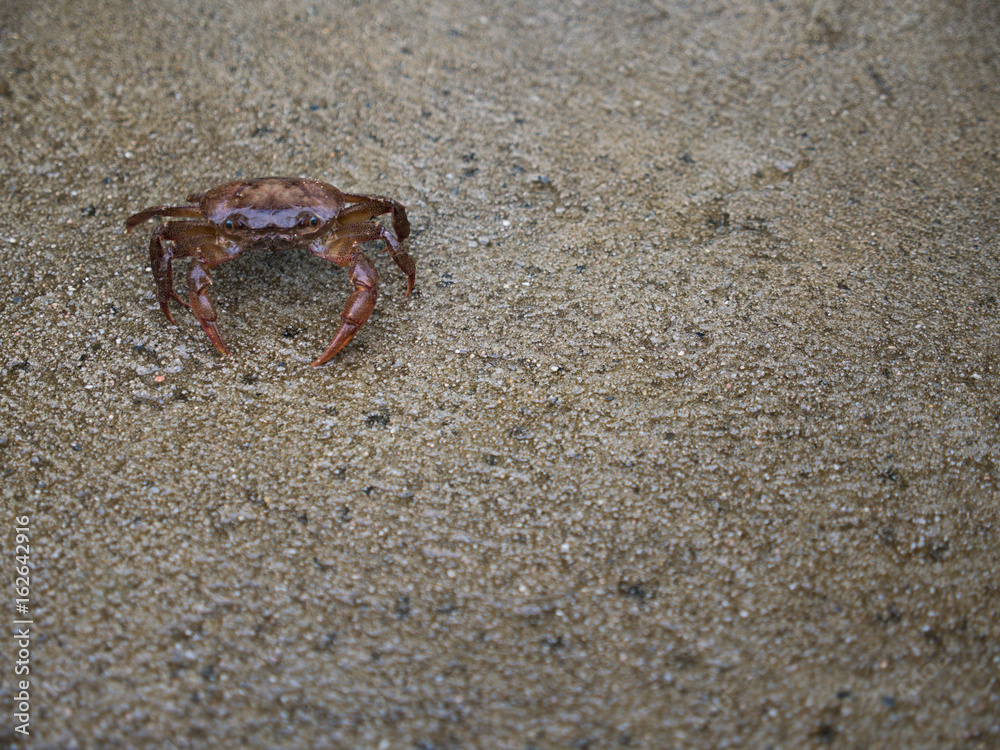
198	281
357	309
407	266
212	331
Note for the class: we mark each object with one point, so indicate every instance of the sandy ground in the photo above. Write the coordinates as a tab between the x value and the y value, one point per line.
688	438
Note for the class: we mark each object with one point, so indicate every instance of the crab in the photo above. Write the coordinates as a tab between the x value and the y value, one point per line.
275	213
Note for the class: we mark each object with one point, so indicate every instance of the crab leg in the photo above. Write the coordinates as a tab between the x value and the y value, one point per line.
198	281
181	212
169	241
357	309
369	206
200	242
342	250
369	231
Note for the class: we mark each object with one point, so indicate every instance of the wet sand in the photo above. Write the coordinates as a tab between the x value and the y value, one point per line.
688	436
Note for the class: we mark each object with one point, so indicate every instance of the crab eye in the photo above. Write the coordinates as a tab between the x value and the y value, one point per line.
228	224
314	221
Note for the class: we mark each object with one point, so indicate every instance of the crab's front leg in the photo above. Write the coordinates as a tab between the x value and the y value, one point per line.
359	305
200	242
163	212
343	250
177	239
204	258
369	206
198	281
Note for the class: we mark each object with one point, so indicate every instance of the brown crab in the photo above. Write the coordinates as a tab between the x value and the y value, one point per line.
275	213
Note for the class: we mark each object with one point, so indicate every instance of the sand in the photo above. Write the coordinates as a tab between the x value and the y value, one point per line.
688	436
